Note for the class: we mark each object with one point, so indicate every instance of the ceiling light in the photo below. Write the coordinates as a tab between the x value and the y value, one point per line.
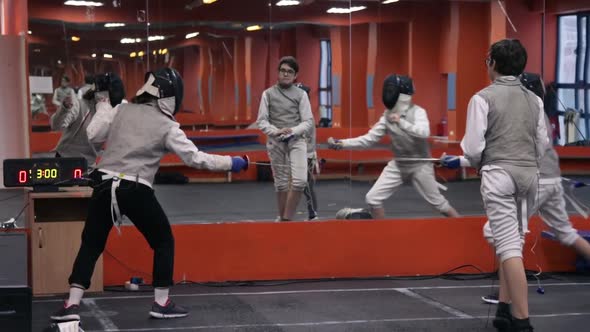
132	55
208	2
29	32
389	1
288	3
335	10
83	3
130	40
154	52
75	38
140	53
114	25
164	51
254	27
153	38
108	56
93	55
191	35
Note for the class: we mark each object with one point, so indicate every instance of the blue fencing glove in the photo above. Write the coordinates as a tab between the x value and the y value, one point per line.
450	161
579	184
335	144
239	163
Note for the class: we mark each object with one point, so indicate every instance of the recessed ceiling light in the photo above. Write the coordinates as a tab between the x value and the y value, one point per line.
93	55
335	10
208	2
389	1
191	35
132	55
254	27
29	32
288	3
140	53
75	38
114	25
153	38
83	3
108	56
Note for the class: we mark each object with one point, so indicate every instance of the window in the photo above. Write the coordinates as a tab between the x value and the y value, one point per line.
325	87
573	77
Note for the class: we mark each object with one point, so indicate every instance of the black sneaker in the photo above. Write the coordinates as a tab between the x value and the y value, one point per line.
491	299
521	325
502	322
170	310
67	313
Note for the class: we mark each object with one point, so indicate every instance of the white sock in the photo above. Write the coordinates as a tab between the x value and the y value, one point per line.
161	295
76	294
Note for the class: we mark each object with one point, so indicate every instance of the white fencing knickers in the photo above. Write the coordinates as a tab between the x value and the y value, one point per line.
551	207
422	177
502	196
288	161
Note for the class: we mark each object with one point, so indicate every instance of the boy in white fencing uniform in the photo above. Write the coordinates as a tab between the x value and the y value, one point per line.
137	135
285	117
505	137
407	125
550	205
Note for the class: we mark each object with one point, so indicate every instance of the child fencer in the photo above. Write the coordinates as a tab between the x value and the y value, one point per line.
137	135
550	205
285	117
408	126
505	137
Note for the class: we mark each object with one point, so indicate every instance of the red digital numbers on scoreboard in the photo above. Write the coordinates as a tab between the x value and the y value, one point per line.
77	173
23	176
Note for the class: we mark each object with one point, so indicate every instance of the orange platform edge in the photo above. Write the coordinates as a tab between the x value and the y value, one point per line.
327	249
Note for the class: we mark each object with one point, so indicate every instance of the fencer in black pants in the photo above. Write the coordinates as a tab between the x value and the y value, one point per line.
137	136
138	202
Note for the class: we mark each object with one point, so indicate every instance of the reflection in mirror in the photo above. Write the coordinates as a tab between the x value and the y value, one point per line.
229	55
79	42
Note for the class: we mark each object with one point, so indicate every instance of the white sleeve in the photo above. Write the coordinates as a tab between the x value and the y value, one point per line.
64	117
54	99
474	141
306	117
262	120
178	143
542	138
420	127
373	136
100	125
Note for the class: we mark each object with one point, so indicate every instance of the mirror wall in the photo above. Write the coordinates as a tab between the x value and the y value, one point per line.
228	54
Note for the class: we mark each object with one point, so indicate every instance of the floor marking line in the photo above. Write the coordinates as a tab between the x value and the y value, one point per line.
327	323
434	303
311	291
104	321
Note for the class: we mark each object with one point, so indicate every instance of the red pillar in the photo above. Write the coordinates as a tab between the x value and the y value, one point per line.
15	110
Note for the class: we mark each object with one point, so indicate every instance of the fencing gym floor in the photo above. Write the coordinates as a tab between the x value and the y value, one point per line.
434	304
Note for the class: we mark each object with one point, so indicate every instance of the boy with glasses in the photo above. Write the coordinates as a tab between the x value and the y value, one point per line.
285	117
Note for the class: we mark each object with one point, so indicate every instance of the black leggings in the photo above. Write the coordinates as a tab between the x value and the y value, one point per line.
139	204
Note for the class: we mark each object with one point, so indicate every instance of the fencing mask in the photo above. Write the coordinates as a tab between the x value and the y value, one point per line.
111	83
166	85
534	83
350	213
392	87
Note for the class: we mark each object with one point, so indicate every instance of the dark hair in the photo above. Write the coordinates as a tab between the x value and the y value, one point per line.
289	61
509	57
89	79
65	78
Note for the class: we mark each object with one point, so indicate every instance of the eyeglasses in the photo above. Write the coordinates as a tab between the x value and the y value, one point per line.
287	71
